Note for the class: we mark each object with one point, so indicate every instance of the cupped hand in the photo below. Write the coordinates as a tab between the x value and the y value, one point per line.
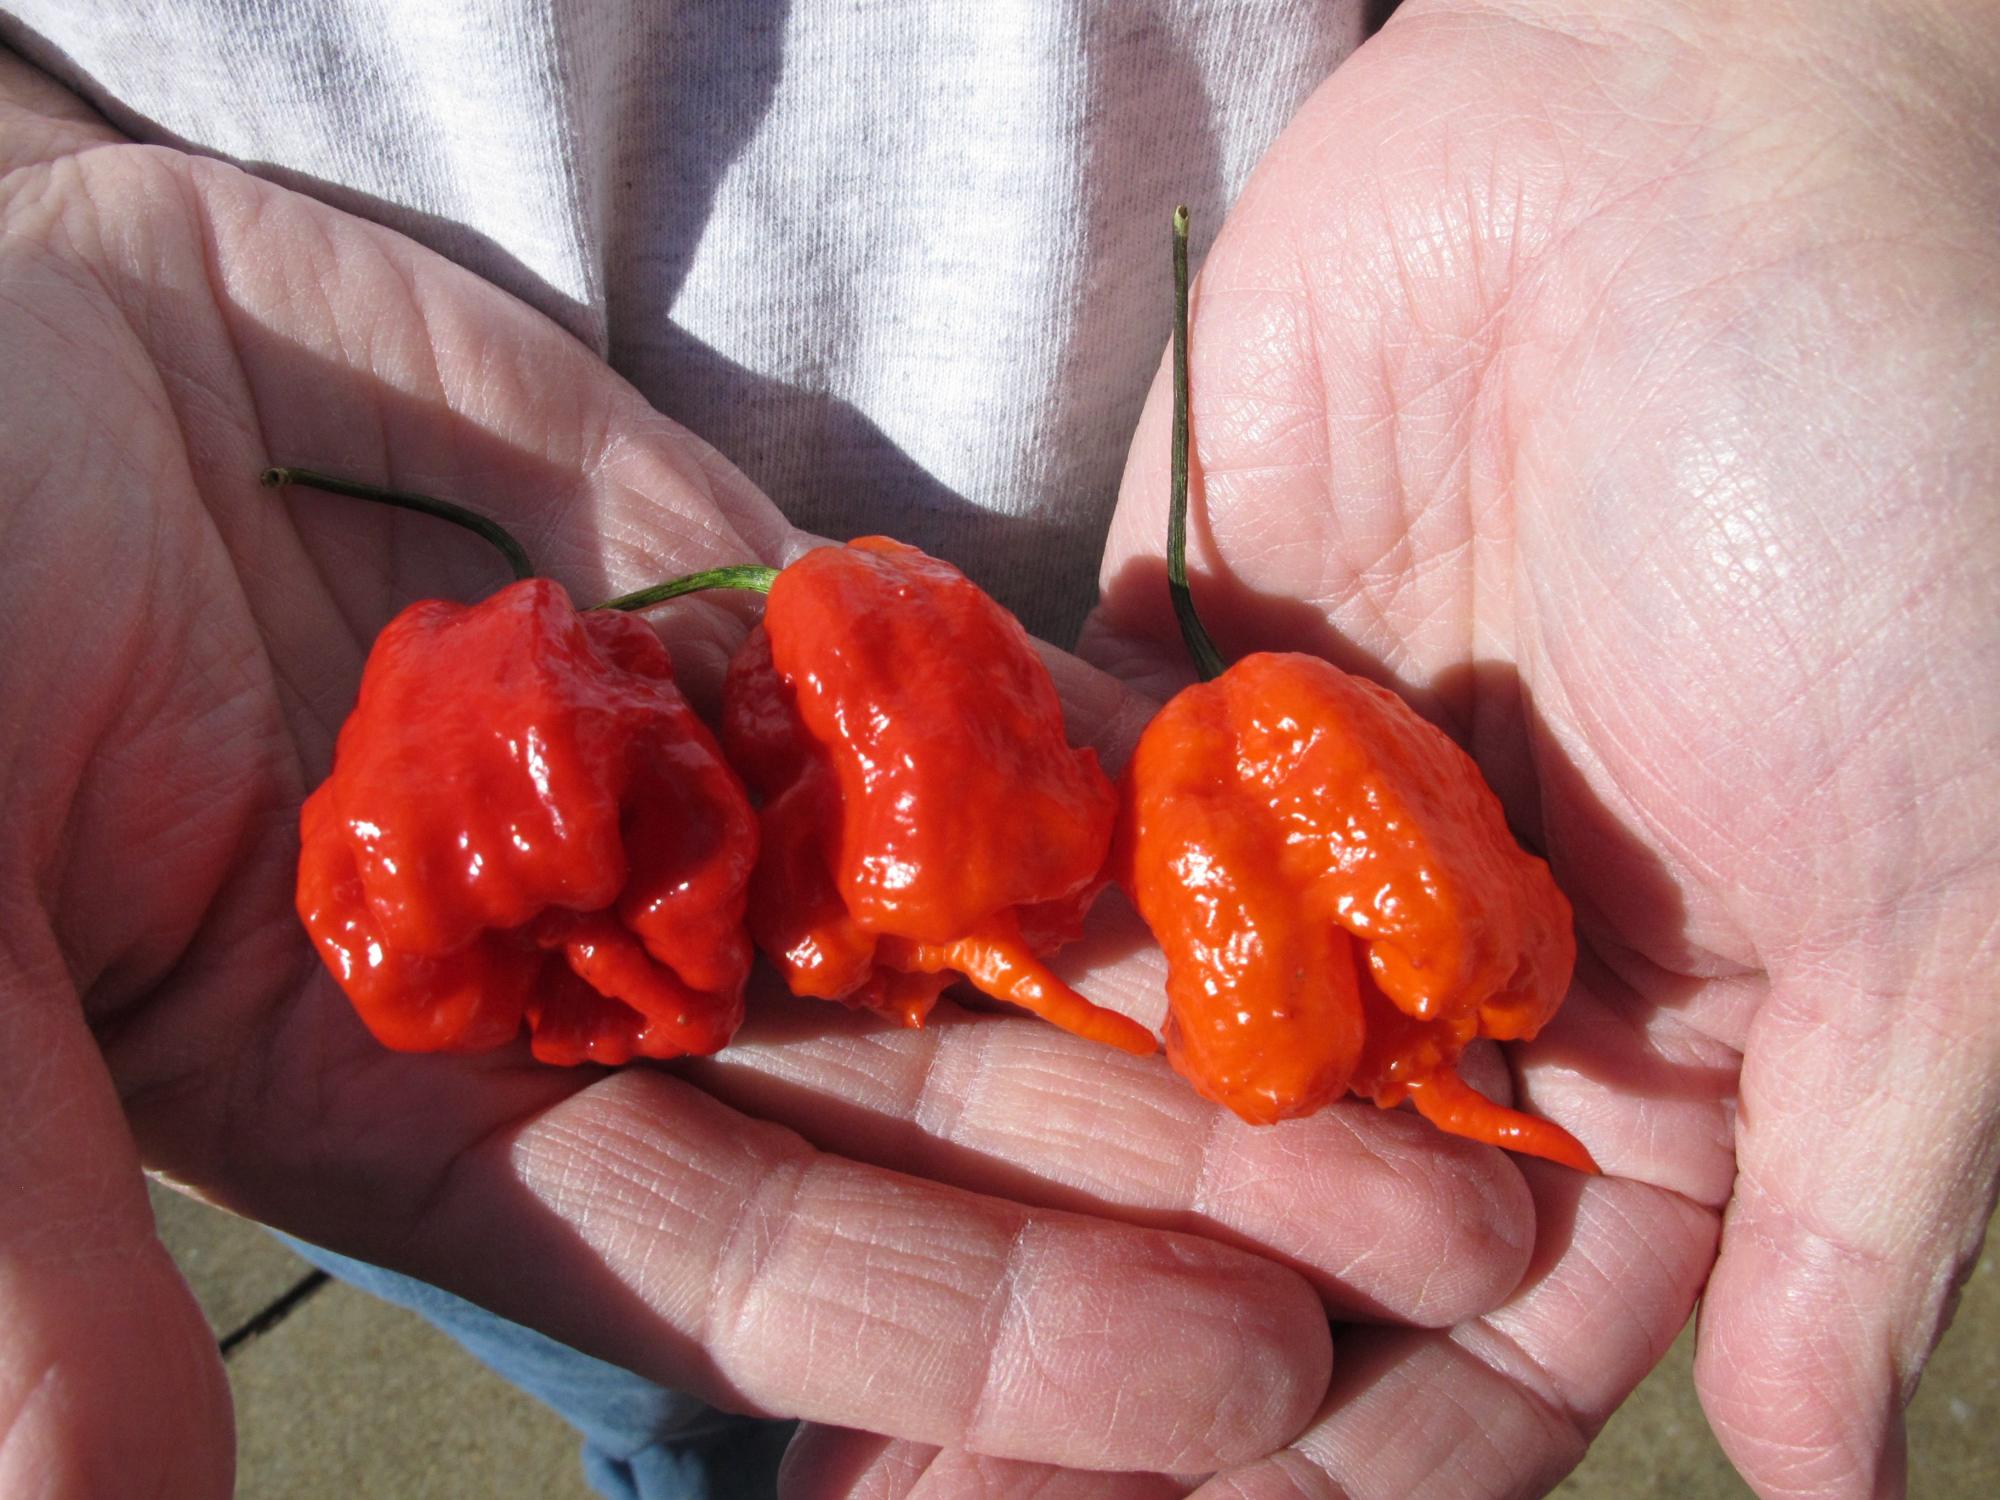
1619	390
1616	383
976	1236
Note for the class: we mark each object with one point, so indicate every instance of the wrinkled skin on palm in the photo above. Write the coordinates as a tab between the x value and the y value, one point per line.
1609	382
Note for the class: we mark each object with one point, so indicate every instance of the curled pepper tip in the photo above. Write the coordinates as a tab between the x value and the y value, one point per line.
1142	1043
1001	965
1455	1107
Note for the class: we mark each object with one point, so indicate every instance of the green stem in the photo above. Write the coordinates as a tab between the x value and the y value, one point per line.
1207	660
444	510
753	576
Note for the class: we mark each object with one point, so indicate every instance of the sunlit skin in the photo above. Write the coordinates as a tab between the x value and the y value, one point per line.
1615	382
1614	395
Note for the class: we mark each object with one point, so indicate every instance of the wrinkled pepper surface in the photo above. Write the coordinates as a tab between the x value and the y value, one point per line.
924	815
1340	901
526	822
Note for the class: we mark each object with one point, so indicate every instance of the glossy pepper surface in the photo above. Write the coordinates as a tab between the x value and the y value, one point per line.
924	814
526	822
1340	901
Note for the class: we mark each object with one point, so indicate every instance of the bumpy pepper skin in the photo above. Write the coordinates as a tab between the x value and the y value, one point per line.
924	814
1340	901
526	822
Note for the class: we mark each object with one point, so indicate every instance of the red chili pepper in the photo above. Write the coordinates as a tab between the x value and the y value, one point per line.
1334	885
526	821
924	814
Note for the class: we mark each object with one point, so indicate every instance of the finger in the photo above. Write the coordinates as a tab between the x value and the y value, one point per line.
1385	1216
1505	1405
109	1379
1869	1148
1652	1098
838	1463
833	1463
646	1223
1388	1217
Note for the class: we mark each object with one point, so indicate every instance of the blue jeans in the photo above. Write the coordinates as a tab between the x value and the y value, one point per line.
641	1441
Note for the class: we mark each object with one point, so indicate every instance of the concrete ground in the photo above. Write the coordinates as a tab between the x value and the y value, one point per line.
342	1396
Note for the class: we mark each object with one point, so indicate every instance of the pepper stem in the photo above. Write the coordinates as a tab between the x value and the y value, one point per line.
444	510
753	576
1207	660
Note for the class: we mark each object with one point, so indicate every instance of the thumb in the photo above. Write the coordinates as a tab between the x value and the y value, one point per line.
110	1383
1868	1151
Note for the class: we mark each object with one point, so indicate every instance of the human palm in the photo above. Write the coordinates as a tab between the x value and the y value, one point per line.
1609	391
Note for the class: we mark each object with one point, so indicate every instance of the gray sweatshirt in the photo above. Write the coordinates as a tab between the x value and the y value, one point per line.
902	261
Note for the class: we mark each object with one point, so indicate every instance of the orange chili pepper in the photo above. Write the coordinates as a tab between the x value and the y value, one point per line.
924	814
1340	901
